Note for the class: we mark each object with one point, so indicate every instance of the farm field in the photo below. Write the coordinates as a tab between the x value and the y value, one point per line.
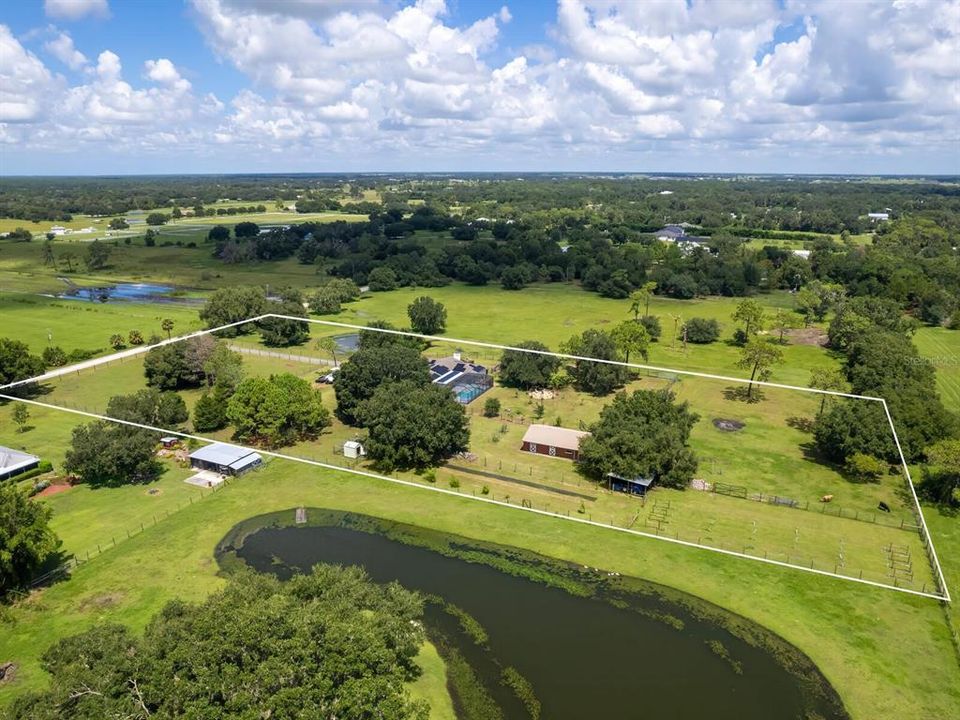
942	347
72	324
554	313
862	638
767	457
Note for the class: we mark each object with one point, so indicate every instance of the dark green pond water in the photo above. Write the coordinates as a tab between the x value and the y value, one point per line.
605	656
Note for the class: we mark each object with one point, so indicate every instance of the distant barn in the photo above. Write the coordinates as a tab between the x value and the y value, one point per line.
553	441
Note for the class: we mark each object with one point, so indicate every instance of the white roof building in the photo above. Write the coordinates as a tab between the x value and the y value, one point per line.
13	462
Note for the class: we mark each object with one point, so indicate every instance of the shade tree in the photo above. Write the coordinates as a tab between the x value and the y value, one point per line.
642	434
427	316
412	425
598	378
233	304
759	356
369	368
329	638
527	370
26	540
276	411
16	362
105	453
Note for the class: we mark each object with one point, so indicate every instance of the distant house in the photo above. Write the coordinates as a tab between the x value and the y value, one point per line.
224	459
466	379
553	441
678	234
878	216
670	233
13	462
58	230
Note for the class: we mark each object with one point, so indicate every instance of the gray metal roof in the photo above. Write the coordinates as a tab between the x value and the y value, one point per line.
221	454
10	458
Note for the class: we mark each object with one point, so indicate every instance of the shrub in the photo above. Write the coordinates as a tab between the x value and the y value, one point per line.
491	408
651	323
702	331
54	356
484	490
865	468
454	483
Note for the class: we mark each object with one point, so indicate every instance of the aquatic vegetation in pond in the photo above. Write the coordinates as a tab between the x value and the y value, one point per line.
584	639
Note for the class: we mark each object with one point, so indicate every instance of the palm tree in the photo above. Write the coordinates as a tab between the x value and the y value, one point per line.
329	346
167	326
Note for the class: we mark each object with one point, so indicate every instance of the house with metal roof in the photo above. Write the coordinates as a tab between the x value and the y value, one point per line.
553	441
224	459
13	462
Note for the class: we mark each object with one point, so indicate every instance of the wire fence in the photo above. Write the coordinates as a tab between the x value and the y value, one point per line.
108	542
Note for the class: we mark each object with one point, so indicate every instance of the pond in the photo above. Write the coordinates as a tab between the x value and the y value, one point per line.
130	292
347	343
619	649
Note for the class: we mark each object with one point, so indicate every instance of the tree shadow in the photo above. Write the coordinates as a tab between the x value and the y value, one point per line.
26	392
741	393
803	424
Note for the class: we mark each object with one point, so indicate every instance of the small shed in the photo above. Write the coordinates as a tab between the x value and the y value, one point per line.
169	442
13	462
353	449
629	485
553	441
224	459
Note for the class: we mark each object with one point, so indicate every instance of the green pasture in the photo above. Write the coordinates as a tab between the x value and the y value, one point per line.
888	654
769	456
72	324
942	348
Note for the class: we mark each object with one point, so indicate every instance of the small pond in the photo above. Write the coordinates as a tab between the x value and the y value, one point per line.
129	292
347	343
619	649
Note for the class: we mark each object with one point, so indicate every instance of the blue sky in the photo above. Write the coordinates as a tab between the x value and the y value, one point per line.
103	86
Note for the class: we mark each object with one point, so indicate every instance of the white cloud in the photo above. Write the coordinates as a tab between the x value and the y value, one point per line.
164	72
62	48
75	9
25	82
404	84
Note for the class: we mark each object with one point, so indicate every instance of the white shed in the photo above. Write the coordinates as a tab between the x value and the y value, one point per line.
353	449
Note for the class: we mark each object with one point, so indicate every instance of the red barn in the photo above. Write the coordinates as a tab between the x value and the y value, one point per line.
553	441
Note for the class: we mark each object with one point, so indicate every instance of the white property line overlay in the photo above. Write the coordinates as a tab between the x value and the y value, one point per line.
945	596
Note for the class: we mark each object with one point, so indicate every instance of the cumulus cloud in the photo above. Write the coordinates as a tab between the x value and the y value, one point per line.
62	48
405	80
25	82
76	9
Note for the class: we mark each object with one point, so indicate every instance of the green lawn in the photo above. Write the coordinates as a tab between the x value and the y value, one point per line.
553	313
888	654
942	348
79	324
769	456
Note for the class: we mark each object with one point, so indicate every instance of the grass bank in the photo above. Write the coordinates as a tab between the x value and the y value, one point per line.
887	654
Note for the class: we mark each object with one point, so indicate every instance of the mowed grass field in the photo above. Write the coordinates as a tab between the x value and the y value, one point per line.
769	456
554	313
887	653
942	348
79	324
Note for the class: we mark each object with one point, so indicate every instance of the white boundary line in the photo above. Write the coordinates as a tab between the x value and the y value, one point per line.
945	596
